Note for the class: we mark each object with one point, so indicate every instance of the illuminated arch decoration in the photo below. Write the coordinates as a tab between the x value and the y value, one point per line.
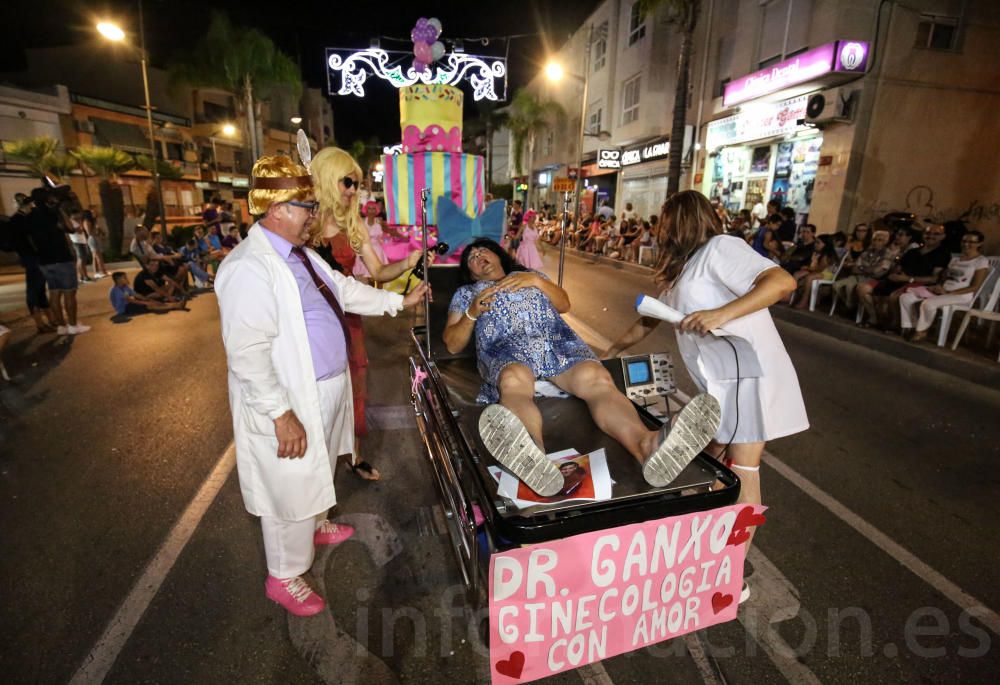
351	68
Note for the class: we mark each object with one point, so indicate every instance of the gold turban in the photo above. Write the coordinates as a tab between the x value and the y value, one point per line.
277	179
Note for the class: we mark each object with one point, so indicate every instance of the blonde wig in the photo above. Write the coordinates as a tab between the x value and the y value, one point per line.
294	183
328	167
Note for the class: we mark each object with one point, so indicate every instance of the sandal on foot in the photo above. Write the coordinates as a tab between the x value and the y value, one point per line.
508	441
694	429
364	471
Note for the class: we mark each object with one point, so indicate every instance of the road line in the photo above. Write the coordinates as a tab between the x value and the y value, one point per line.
594	674
922	570
702	661
107	648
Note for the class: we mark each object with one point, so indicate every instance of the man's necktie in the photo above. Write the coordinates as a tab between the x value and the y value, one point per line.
324	290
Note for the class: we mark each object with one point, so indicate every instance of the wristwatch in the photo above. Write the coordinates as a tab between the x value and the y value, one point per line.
912	280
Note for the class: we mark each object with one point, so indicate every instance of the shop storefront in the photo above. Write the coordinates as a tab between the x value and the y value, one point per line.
644	176
772	147
763	154
600	180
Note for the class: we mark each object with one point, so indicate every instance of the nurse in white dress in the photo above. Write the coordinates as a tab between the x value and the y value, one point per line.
718	281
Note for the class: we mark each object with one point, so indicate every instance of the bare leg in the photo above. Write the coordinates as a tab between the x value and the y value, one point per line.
56	300
517	392
612	411
746	464
867	302
70	297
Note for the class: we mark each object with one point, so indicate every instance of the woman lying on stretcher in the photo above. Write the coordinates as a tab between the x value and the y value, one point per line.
521	337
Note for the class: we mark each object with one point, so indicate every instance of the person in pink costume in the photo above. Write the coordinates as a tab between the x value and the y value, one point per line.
527	250
373	223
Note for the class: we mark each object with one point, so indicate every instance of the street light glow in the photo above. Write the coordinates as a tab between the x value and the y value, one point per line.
111	31
296	120
228	130
554	71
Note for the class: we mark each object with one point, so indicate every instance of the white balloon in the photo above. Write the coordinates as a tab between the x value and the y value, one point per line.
437	50
436	23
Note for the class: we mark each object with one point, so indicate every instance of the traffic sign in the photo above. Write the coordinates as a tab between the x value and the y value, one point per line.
563	185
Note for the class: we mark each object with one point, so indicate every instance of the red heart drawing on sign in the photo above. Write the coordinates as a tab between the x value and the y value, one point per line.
745	520
721	601
513	666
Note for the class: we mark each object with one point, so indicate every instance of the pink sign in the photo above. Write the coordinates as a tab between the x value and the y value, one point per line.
841	56
563	604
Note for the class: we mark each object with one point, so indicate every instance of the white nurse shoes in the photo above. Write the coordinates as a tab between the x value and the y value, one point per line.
694	429
508	441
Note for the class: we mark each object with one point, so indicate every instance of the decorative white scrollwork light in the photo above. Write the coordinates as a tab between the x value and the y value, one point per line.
354	68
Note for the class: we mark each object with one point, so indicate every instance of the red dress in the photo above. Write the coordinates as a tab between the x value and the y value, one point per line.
338	248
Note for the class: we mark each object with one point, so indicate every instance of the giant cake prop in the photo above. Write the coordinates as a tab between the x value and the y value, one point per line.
432	157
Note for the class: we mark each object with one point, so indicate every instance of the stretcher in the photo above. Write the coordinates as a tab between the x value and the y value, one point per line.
480	521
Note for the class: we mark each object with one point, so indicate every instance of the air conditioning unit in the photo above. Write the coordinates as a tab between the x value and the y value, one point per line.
84	125
830	106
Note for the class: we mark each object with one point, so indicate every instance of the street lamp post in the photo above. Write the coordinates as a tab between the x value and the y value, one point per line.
227	130
114	33
555	72
295	122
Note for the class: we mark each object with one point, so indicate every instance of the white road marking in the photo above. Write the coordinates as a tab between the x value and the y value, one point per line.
935	579
98	663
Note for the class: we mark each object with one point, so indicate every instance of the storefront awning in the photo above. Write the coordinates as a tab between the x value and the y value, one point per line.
121	135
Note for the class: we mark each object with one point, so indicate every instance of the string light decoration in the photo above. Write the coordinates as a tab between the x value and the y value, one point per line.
351	69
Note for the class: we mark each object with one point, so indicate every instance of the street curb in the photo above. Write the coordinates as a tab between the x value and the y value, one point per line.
928	355
13	318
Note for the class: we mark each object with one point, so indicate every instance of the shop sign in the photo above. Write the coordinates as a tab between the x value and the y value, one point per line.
609	159
762	120
241	182
645	153
842	56
563	185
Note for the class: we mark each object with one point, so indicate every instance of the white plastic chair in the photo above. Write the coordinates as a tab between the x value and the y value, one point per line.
643	251
949	310
989	312
816	285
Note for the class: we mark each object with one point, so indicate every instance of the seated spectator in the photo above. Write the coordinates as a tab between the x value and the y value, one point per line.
821	266
628	238
921	266
214	238
514	316
873	264
765	242
172	264
859	241
152	284
786	231
800	255
211	255
964	276
127	302
193	259
232	238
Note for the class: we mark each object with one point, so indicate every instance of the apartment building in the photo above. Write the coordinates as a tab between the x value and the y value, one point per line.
905	119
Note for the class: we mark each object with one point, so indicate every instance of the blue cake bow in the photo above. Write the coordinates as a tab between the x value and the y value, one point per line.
457	229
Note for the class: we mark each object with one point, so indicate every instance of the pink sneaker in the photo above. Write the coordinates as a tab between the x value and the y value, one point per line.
330	533
295	595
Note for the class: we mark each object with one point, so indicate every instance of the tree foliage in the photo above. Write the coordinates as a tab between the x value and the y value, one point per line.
167	170
106	162
40	155
530	116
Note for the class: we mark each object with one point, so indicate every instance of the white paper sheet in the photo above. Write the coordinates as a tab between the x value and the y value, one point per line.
599	473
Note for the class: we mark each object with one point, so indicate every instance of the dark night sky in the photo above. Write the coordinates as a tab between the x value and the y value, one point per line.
304	31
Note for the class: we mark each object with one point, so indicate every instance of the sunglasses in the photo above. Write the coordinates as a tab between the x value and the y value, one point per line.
350	182
310	207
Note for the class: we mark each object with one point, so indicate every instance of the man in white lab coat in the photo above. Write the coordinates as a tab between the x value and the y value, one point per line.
282	314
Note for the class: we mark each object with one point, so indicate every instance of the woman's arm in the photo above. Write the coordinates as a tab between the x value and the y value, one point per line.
636	332
386	272
977	280
770	286
461	325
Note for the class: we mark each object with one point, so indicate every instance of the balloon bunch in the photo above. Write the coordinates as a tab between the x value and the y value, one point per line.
427	49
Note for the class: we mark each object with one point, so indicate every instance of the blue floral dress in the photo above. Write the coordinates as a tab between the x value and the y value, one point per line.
521	327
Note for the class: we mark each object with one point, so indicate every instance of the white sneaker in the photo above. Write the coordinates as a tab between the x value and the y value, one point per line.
77	329
62	330
745	592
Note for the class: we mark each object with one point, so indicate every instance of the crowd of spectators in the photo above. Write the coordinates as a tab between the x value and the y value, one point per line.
896	272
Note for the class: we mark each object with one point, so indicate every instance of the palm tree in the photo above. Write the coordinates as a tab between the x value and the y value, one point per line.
529	117
366	154
684	15
242	61
491	119
168	172
37	153
107	162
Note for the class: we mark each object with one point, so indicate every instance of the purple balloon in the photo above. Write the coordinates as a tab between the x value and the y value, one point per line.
415	35
423	52
419	67
421	22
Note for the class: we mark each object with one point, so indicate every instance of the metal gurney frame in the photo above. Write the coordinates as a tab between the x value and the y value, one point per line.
444	389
